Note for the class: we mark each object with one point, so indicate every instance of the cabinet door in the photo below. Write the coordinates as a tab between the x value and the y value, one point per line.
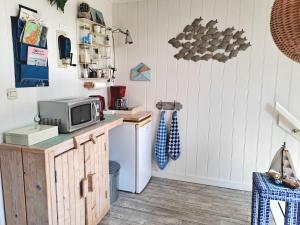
70	177
13	185
96	171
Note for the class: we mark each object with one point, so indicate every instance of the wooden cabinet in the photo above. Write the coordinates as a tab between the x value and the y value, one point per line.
82	183
63	182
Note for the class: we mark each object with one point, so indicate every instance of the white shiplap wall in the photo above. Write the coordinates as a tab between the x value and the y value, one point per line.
228	124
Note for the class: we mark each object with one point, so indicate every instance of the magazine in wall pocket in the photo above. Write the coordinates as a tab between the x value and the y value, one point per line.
23	54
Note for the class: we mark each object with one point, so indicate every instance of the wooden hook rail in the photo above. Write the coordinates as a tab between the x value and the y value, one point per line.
169	105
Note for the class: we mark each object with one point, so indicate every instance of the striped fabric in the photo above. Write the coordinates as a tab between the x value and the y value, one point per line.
160	151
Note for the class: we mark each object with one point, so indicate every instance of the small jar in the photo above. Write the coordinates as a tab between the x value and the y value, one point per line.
103	30
85	71
97	29
84	34
107	41
90	38
84	56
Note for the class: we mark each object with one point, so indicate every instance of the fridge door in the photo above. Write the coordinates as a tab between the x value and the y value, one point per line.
144	154
122	150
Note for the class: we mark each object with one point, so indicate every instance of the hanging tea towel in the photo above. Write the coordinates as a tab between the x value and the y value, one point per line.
174	139
161	153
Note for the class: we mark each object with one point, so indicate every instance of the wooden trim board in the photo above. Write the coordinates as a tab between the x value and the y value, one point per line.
138	117
203	180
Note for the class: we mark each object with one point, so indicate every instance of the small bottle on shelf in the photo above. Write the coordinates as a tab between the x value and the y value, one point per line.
107	41
85	35
85	71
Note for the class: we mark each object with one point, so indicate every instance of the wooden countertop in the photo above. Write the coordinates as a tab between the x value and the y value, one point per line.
110	122
137	117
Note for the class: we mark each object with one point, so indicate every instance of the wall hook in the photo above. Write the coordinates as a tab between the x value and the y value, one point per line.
169	105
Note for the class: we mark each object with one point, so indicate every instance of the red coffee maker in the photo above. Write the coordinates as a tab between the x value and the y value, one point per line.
117	100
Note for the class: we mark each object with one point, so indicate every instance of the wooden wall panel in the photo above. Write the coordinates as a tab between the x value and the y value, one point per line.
204	105
247	10
105	205
35	188
228	125
217	82
88	161
13	186
60	191
192	105
69	168
228	97
269	83
259	30
182	86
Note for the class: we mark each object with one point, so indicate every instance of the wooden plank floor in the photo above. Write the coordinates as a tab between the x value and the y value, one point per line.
169	202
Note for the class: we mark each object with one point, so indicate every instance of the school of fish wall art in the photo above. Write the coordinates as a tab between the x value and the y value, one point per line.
198	42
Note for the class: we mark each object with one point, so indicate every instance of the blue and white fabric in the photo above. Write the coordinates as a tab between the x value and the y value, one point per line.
160	151
174	139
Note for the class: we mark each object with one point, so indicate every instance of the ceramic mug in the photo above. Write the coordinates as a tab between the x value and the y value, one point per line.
97	29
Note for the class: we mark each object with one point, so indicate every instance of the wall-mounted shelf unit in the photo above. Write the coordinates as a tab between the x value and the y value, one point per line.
94	79
90	22
287	121
94	50
97	34
94	45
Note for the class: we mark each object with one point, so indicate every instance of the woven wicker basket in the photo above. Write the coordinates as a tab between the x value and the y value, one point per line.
285	27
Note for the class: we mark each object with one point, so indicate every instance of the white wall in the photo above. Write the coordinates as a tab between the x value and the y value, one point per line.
228	126
63	82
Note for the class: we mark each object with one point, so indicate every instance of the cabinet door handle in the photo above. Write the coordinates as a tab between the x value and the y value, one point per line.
83	188
76	143
93	139
91	182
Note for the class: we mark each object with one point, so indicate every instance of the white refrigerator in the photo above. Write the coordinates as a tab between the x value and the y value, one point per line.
131	146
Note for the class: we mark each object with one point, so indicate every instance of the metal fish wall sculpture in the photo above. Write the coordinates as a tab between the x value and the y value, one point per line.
198	42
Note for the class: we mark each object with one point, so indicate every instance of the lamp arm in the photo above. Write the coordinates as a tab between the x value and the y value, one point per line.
114	56
119	30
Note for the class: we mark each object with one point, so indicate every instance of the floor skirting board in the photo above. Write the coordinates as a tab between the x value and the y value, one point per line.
203	180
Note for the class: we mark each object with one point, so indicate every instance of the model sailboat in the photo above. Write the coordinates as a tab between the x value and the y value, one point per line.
282	169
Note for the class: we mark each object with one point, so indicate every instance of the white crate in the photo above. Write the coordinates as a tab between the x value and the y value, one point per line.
30	135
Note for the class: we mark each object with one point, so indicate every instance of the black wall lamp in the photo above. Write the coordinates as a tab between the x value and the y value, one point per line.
128	40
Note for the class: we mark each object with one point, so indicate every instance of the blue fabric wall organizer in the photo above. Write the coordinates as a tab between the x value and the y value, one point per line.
26	75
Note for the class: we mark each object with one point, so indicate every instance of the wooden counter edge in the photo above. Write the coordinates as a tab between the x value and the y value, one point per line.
81	135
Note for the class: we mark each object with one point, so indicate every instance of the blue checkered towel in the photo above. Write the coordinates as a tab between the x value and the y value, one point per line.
174	139
161	153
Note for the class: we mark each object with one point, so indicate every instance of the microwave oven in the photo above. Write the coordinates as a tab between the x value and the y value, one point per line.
69	114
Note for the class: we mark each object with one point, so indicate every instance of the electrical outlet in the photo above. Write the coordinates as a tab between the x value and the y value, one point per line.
11	94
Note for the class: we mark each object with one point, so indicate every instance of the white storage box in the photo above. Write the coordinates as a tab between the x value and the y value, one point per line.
30	135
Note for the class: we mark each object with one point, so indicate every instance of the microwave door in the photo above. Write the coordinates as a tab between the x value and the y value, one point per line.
81	115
